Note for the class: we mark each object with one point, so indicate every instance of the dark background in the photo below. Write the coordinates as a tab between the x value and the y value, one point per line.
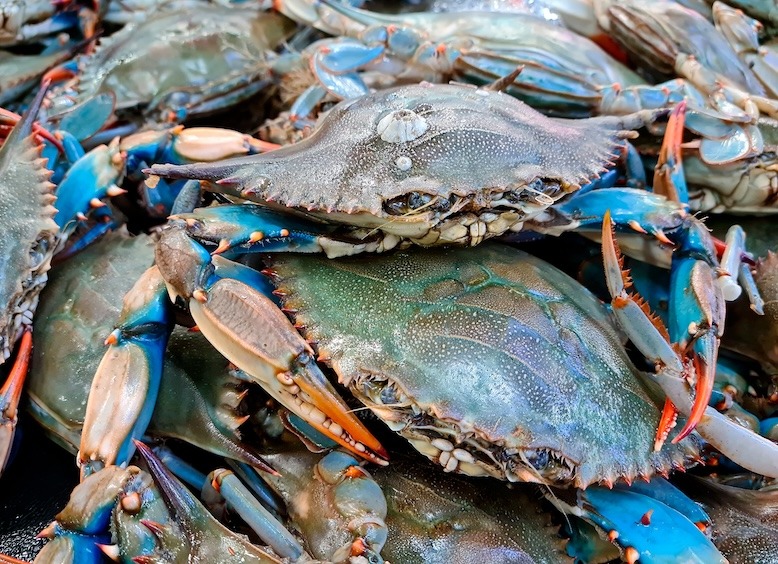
33	489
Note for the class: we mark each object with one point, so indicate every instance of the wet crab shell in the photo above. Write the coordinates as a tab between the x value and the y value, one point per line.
489	361
405	159
27	231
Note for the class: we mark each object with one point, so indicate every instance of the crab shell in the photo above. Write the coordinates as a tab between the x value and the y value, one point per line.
217	51
431	163
489	361
27	229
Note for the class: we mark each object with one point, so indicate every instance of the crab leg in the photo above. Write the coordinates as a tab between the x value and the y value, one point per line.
206	538
124	390
9	398
649	336
654	522
231	307
352	502
232	491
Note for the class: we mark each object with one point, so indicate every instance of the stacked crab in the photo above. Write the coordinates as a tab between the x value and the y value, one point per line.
354	262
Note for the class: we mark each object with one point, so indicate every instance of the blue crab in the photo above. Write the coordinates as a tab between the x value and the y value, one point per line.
29	239
564	74
200	406
408	385
442	164
218	56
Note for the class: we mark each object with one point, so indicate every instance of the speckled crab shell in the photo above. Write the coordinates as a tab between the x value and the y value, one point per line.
489	361
27	231
406	159
214	51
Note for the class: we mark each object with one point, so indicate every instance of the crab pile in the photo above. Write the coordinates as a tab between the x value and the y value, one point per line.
421	286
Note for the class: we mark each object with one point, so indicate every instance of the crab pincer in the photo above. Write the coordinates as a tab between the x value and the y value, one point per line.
683	361
225	300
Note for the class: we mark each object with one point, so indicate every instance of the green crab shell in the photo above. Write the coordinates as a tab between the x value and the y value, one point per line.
486	357
215	49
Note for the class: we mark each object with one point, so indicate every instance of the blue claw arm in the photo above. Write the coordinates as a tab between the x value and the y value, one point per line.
246	228
260	489
88	181
124	391
257	337
649	527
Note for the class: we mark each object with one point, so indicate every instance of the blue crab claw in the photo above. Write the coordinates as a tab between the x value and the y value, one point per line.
305	104
88	181
82	526
245	228
203	533
226	488
234	313
668	175
649	522
124	390
693	358
9	398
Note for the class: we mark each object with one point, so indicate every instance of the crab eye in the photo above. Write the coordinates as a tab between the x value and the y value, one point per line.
417	202
410	203
539	459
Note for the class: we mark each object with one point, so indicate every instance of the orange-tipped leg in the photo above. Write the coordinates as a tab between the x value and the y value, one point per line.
666	423
702	391
669	179
10	394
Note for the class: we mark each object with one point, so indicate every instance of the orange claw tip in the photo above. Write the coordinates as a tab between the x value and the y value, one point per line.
631	555
200	295
355	436
660	235
635	226
666	423
110	550
112	339
224	245
143	559
358	547
48	532
702	393
12	389
354	472
646	518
